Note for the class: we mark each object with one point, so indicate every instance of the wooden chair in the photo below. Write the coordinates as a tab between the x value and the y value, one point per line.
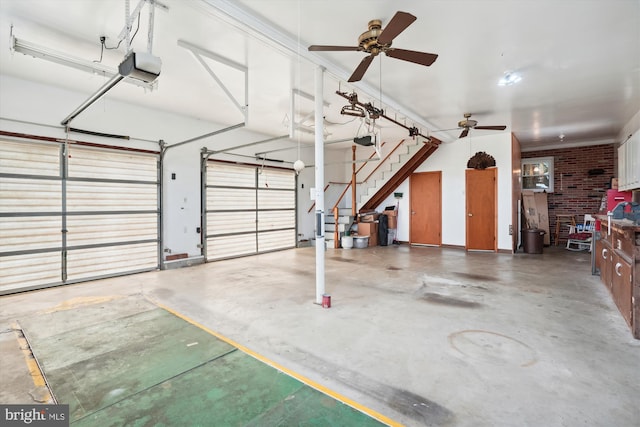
580	236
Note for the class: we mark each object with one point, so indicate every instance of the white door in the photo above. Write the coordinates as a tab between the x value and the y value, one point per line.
76	215
249	210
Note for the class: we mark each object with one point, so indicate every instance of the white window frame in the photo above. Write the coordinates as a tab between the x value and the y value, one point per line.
534	160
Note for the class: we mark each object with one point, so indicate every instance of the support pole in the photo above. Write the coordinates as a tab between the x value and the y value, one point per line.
353	180
319	169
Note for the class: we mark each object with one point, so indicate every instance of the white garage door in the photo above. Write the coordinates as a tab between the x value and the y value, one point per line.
68	217
249	210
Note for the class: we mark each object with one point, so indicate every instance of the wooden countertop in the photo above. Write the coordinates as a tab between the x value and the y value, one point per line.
618	223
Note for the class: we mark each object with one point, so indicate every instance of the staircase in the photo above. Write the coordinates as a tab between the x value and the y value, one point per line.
345	222
387	170
386	187
382	180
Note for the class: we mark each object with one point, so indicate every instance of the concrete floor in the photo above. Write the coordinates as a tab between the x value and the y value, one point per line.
424	336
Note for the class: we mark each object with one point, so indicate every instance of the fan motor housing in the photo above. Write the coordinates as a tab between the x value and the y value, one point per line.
369	39
467	123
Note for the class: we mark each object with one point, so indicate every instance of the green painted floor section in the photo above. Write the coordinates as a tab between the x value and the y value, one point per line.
129	363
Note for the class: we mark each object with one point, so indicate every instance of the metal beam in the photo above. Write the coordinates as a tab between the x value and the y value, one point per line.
93	98
199	52
275	138
206	135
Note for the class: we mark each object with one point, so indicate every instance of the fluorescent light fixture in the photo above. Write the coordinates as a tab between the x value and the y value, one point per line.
509	79
41	52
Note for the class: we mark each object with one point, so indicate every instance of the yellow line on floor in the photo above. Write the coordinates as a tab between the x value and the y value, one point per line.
287	371
32	365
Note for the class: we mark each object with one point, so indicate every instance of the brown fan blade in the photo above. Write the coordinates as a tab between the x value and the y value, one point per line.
399	22
464	133
416	57
491	127
362	68
318	47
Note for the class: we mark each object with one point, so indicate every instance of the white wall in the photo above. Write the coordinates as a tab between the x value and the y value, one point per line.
451	159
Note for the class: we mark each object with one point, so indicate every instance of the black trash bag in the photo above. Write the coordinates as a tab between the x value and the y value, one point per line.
383	230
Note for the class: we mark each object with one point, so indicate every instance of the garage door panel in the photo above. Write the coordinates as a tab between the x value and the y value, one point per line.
24	271
273	220
275	199
248	199
30	233
109	164
231	246
273	240
100	196
103	229
30	195
224	174
111	260
225	223
20	158
44	220
231	199
276	179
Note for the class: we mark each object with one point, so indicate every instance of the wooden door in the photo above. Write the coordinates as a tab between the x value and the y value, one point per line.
425	190
481	223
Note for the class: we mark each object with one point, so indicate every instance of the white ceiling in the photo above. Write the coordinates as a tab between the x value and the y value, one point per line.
579	61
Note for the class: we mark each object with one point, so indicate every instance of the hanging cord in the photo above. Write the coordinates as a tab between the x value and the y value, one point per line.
103	42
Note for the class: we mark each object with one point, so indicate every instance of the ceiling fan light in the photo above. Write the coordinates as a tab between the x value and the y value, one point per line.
509	78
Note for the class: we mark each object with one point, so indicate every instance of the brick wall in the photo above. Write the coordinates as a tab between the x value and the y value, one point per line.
575	191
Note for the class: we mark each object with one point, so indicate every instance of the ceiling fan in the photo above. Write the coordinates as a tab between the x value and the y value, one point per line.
467	124
377	40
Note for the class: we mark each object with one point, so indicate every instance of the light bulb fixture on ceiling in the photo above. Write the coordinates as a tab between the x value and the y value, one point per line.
509	78
298	166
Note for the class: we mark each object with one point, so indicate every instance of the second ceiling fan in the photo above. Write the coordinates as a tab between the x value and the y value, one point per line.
377	40
468	123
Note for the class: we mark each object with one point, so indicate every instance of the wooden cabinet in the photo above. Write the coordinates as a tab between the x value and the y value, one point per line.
603	261
621	285
617	256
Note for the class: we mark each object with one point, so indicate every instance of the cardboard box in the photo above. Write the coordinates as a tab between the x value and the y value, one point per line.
392	218
369	229
392	222
369	216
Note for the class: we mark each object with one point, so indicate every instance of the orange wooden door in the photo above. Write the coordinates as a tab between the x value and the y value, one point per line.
426	208
481	191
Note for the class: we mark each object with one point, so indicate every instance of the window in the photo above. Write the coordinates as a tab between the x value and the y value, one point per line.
537	174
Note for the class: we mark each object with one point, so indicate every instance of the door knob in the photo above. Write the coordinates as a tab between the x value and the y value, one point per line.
413	212
470	214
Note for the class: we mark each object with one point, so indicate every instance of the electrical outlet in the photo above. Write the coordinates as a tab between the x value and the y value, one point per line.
510	230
